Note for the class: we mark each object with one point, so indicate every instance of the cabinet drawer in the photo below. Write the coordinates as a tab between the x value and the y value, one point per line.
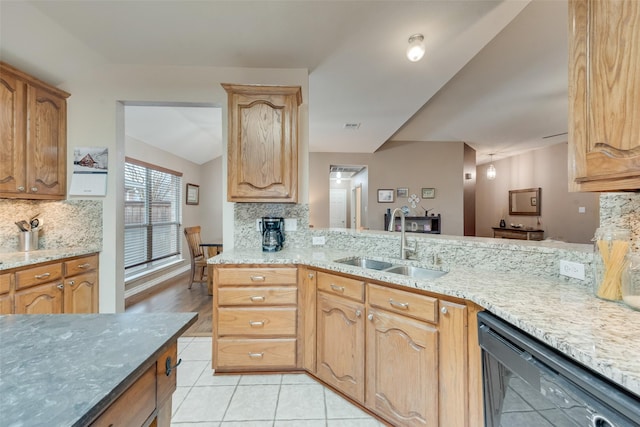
80	265
134	406
5	283
338	285
258	295
256	321
256	353
166	384
37	275
419	306
257	276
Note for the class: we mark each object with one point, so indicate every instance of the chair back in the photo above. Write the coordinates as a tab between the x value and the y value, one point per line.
194	241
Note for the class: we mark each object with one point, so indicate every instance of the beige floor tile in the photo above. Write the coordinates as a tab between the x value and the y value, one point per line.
189	371
204	404
363	422
253	402
300	423
260	379
178	398
301	402
338	407
207	378
197	350
297	379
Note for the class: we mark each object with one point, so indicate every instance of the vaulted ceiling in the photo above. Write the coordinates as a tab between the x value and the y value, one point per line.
494	73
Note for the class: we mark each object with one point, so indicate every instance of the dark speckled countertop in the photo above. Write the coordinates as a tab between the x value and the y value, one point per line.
64	370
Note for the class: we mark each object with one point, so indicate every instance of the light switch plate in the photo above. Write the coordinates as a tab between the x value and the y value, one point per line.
572	269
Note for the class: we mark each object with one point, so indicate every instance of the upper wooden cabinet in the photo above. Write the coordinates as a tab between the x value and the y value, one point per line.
604	101
263	143
33	137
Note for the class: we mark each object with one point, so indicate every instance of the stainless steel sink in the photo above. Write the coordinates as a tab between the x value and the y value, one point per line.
365	263
416	272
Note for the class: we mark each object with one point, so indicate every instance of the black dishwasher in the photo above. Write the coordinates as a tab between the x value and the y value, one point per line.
529	384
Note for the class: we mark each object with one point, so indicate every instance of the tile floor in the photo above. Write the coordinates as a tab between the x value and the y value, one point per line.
204	400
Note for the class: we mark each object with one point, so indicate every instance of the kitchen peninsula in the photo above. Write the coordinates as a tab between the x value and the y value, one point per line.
562	314
98	369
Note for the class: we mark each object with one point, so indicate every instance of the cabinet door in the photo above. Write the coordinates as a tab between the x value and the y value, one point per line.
47	153
453	366
340	345
263	143
81	293
604	107
42	299
12	134
402	369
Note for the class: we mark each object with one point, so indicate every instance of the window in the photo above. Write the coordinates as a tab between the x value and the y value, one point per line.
152	215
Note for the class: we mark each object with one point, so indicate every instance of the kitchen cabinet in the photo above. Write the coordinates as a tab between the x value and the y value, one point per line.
263	143
33	122
604	107
255	318
52	288
6	299
81	289
340	344
308	301
517	233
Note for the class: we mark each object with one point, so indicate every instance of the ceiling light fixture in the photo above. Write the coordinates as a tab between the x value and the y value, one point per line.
415	51
491	170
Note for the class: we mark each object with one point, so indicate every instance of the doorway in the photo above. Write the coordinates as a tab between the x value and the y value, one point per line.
348	186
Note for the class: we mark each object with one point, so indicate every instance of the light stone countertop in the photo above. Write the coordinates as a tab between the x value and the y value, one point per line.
602	335
9	260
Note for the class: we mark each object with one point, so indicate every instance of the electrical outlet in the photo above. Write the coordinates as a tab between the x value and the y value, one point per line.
572	269
318	240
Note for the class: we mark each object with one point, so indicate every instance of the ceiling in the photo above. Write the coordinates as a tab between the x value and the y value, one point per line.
494	74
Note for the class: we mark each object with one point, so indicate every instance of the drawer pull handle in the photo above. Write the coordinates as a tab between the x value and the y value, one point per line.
256	324
257	278
168	366
42	276
337	288
85	265
256	355
401	305
257	298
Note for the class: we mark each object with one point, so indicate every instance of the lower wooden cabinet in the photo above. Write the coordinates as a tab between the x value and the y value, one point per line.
68	286
40	299
402	369
340	344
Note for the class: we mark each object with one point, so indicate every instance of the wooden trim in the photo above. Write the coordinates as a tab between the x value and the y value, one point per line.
4	67
151	166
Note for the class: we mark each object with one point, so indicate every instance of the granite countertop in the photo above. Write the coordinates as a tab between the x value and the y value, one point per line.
601	335
64	370
10	259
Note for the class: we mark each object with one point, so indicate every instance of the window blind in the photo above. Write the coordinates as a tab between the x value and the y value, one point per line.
152	213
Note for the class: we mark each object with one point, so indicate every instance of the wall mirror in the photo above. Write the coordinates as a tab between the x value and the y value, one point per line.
525	202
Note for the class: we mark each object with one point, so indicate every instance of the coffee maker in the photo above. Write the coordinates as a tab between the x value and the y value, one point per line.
272	233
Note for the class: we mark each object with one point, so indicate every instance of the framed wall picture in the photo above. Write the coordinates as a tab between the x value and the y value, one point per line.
402	193
428	193
385	195
193	194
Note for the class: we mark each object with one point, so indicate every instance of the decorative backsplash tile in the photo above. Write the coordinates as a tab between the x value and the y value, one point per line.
247	236
66	223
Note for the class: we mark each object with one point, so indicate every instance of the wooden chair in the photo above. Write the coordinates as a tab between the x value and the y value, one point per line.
198	255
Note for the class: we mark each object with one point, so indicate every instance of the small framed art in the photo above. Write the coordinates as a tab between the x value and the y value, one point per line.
428	193
402	193
193	194
385	195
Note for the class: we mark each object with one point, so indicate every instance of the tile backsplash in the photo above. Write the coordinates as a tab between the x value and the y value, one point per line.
66	223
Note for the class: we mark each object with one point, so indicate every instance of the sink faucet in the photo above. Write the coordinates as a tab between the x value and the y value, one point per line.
403	238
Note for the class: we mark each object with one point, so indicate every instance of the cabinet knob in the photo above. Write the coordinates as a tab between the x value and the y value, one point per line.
444	310
34	189
60	286
72	282
21	189
310	275
358	313
370	317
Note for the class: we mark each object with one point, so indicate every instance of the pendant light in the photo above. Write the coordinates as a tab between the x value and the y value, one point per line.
415	51
491	170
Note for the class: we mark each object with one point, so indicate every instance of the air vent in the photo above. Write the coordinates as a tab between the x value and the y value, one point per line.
352	126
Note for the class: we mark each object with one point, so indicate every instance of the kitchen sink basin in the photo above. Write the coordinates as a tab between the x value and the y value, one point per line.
416	272
365	263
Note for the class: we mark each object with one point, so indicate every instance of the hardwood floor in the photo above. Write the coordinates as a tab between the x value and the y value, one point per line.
173	296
